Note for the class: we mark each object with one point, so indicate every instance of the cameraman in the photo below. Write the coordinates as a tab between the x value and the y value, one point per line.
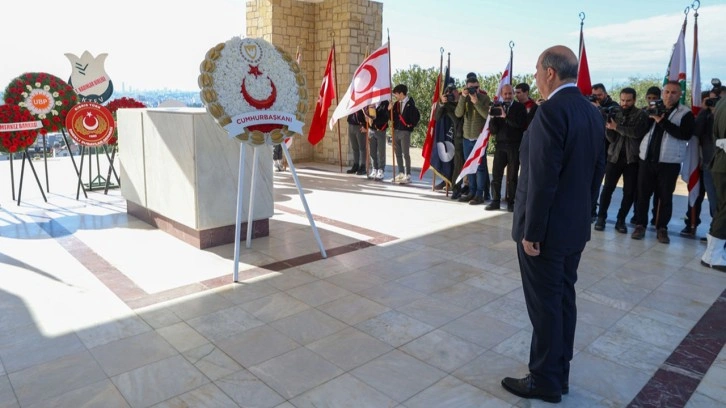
447	106
508	128
661	152
473	106
704	132
601	100
625	129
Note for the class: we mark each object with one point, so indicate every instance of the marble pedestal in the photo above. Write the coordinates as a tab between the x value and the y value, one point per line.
179	173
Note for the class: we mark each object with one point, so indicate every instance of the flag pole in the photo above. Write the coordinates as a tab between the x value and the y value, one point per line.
695	89
390	108
441	70
335	84
582	23
511	75
368	129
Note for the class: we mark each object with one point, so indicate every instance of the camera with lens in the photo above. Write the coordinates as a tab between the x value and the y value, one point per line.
716	83
592	98
472	90
711	102
449	92
656	108
609	112
496	109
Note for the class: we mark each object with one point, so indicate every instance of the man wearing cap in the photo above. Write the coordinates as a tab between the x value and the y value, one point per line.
473	107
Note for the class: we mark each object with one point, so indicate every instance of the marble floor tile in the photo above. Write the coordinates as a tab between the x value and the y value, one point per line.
310	371
451	392
257	345
649	330
289	279
432	311
353	309
606	381
246	292
486	373
615	293
699	400
151	384
318	293
181	336
516	347
509	310
398	375
25	347
7	396
206	396
275	306
394	328
356	281
343	391
224	323
132	352
485	331
628	351
158	316
102	394
442	350
54	378
494	283
713	384
392	294
249	391
199	305
465	296
349	348
211	361
597	314
308	326
426	281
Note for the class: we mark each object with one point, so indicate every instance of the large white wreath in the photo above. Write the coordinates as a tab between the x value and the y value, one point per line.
254	90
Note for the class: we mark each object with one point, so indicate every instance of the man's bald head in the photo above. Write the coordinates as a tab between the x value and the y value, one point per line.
562	60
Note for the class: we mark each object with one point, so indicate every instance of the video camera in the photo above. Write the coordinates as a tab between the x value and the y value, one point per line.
496	109
449	92
716	83
609	112
656	108
711	102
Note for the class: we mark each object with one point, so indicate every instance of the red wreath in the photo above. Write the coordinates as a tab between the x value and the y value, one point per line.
61	97
18	140
121	103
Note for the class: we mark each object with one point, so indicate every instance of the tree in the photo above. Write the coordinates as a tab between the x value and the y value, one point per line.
641	86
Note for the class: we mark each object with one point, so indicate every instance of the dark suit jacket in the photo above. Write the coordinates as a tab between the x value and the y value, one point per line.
562	162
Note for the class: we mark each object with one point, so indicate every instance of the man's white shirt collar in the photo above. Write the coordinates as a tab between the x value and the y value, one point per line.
567	85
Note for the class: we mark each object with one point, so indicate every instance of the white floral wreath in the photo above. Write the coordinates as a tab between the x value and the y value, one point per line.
248	82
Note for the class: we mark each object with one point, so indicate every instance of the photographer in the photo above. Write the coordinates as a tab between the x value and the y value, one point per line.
601	100
507	123
661	152
704	133
626	127
447	106
473	107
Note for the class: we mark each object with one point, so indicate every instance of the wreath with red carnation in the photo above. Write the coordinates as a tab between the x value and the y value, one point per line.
18	128
121	103
47	97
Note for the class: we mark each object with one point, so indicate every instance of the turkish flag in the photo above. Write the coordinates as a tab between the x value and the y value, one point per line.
583	70
325	98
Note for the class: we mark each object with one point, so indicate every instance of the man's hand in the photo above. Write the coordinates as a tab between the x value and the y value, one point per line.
444	99
721	144
473	98
657	118
532	248
610	124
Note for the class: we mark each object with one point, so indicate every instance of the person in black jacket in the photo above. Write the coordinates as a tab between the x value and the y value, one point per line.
507	129
405	118
377	117
357	142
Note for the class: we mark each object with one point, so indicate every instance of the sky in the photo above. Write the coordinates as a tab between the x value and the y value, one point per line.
159	44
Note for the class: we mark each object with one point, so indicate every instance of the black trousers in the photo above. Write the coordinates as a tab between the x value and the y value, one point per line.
505	155
718	224
613	172
548	281
658	178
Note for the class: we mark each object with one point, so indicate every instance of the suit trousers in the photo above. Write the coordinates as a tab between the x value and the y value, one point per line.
613	171
357	142
505	155
548	281
658	178
377	148
718	224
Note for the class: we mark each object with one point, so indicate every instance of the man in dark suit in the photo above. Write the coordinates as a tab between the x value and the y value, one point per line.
562	158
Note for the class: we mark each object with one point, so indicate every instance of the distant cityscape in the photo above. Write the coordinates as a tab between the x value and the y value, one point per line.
153	98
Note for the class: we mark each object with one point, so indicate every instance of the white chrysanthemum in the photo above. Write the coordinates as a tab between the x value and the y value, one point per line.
232	69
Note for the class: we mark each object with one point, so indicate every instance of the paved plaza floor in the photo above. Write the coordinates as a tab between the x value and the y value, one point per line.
418	304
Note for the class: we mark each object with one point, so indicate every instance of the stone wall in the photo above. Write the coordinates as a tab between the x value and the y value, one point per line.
311	26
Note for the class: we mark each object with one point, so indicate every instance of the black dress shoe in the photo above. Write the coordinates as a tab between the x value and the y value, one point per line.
620	227
600	224
494	205
526	388
353	169
361	172
466	198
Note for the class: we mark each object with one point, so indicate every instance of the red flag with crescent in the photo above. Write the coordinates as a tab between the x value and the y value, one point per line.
325	98
371	84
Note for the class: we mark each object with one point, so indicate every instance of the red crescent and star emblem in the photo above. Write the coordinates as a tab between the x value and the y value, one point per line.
90	124
259	103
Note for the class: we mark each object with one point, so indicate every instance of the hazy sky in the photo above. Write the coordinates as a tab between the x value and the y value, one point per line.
155	44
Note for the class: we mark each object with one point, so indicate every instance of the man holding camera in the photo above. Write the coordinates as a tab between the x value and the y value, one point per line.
625	126
507	123
715	256
602	101
661	152
473	107
447	106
